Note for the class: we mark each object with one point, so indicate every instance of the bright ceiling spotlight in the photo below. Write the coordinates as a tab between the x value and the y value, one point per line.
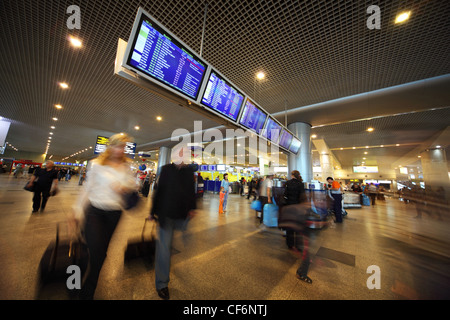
63	85
370	129
402	17
137	127
159	118
314	136
58	106
260	75
55	119
75	42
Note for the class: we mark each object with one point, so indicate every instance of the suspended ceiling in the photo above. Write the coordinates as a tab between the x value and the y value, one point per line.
310	51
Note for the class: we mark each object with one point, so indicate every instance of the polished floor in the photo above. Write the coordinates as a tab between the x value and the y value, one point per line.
230	257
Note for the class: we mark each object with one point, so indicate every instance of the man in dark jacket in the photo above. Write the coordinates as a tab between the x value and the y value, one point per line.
173	203
43	180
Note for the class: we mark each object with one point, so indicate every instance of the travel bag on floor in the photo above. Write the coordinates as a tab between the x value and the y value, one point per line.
270	214
141	247
366	200
59	255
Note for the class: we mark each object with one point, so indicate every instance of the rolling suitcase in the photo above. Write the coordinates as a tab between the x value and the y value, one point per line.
142	248
59	255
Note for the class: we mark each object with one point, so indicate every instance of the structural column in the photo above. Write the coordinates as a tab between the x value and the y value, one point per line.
301	161
327	166
435	169
164	158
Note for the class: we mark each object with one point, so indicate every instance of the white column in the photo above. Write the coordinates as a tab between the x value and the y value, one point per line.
301	161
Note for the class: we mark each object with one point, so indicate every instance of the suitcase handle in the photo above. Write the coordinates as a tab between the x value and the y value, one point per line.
55	250
143	229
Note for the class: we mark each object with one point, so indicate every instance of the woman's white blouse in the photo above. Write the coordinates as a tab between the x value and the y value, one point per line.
101	183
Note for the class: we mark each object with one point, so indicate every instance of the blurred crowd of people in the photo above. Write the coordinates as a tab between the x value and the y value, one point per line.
429	200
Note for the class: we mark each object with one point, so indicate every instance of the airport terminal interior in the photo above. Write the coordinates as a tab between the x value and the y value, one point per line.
241	94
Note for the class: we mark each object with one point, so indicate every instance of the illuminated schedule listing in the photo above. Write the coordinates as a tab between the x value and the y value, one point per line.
157	55
222	97
253	117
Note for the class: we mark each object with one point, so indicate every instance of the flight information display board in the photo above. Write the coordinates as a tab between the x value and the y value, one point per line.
102	143
295	145
253	117
272	130
154	52
222	97
285	139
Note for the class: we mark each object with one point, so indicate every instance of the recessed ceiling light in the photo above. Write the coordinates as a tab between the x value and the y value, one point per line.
51	132
314	136
159	118
397	145
58	106
438	146
370	129
402	16
52	127
63	85
365	152
55	119
354	148
260	75
137	127
75	42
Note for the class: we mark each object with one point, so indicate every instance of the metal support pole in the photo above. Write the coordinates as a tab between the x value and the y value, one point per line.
204	26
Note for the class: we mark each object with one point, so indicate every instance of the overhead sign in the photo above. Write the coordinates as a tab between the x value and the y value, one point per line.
221	96
102	143
156	54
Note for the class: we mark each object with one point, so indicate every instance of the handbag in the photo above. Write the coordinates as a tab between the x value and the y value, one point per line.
131	200
256	205
31	189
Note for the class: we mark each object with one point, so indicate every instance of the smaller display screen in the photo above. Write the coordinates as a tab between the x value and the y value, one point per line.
102	143
365	169
272	130
285	139
295	145
204	167
221	167
212	167
253	117
220	96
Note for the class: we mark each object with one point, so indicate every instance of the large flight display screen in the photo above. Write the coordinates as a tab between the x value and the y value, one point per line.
272	130
285	139
156	54
295	145
252	117
220	96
